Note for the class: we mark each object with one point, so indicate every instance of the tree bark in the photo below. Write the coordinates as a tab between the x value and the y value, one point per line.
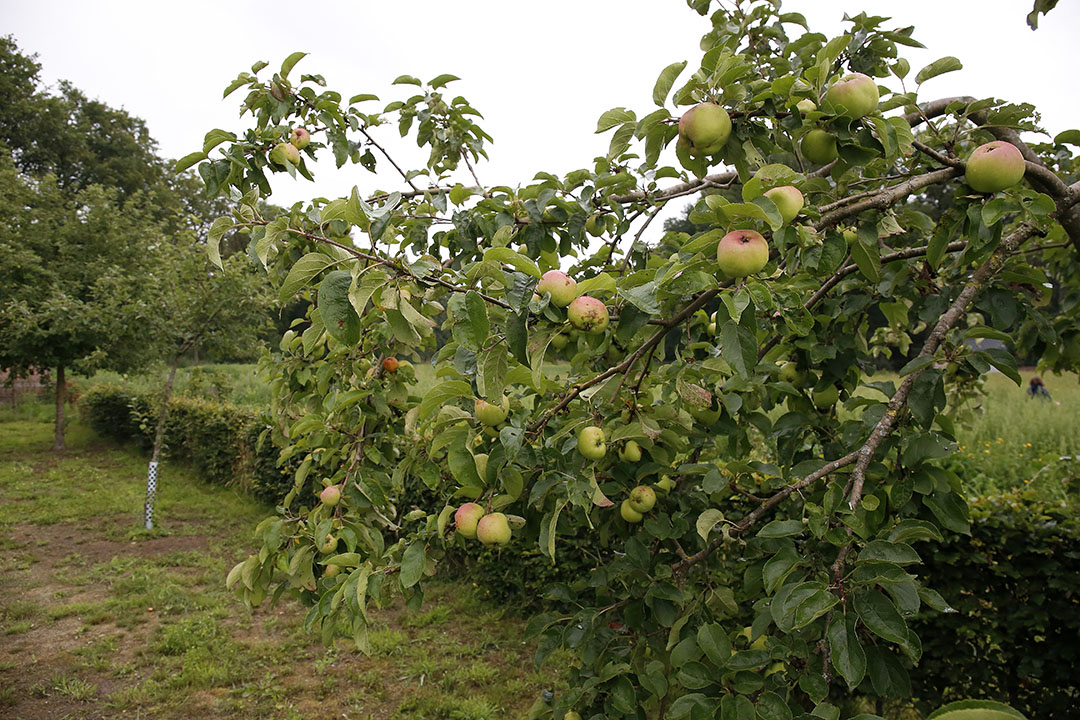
159	440
61	400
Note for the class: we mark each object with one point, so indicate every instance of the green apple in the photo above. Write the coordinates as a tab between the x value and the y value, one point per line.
328	545
560	341
854	96
826	397
489	413
562	287
819	147
493	529
994	166
806	105
741	253
285	154
628	513
591	442
705	128
788	200
332	570
596	225
466	518
330	496
642	499
588	314
300	138
571	716
630	452
790	373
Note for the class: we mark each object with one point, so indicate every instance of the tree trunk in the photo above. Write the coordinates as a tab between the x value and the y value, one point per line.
61	400
159	440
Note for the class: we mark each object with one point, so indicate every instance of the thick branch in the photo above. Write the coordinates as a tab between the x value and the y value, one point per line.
886	198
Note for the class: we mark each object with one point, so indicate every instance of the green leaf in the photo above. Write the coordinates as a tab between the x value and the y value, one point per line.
663	83
950	509
714	641
412	564
514	259
302	272
643	297
739	347
439	394
707	521
866	252
547	531
845	650
614	117
476	326
287	66
880	616
1070	137
781	528
213	241
443	80
187	161
598	284
916	364
216	137
771	706
938	67
779	566
341	321
406	80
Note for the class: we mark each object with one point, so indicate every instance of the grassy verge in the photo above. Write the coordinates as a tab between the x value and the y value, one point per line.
101	618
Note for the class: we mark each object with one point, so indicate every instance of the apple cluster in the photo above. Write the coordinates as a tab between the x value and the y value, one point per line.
472	522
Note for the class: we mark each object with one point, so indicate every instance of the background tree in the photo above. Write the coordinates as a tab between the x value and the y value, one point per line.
754	551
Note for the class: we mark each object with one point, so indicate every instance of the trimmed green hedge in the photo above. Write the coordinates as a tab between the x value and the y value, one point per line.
221	441
1015	583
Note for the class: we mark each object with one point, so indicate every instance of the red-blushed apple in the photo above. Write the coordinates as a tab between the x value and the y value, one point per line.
285	154
466	518
300	138
390	364
628	513
493	529
788	200
489	413
562	287
330	496
630	452
741	253
591	442
854	96
825	397
588	314
819	147
705	128
642	499
995	166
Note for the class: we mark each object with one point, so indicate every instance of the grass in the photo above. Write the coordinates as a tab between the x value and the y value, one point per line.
100	618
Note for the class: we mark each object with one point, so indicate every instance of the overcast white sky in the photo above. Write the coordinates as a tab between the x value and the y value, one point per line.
540	73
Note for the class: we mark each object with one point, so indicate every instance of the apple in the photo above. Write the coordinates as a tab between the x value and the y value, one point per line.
642	499
328	545
493	529
590	442
854	96
300	138
332	571
994	166
560	341
596	225
705	128
466	518
826	397
819	147
562	287
630	452
788	200
285	154
790	373
741	253
806	105
664	485
330	496
571	716
628	513
490	413
588	314
390	364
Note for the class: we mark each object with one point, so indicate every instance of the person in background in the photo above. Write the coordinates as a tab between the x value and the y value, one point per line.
1037	389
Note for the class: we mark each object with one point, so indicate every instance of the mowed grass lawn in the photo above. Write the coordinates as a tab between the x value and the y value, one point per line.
100	619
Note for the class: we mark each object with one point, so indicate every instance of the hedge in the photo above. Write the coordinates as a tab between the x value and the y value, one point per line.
221	441
1014	581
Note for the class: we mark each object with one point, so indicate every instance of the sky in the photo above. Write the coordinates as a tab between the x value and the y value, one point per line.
541	74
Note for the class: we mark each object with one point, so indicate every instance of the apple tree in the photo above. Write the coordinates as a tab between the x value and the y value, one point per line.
697	411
